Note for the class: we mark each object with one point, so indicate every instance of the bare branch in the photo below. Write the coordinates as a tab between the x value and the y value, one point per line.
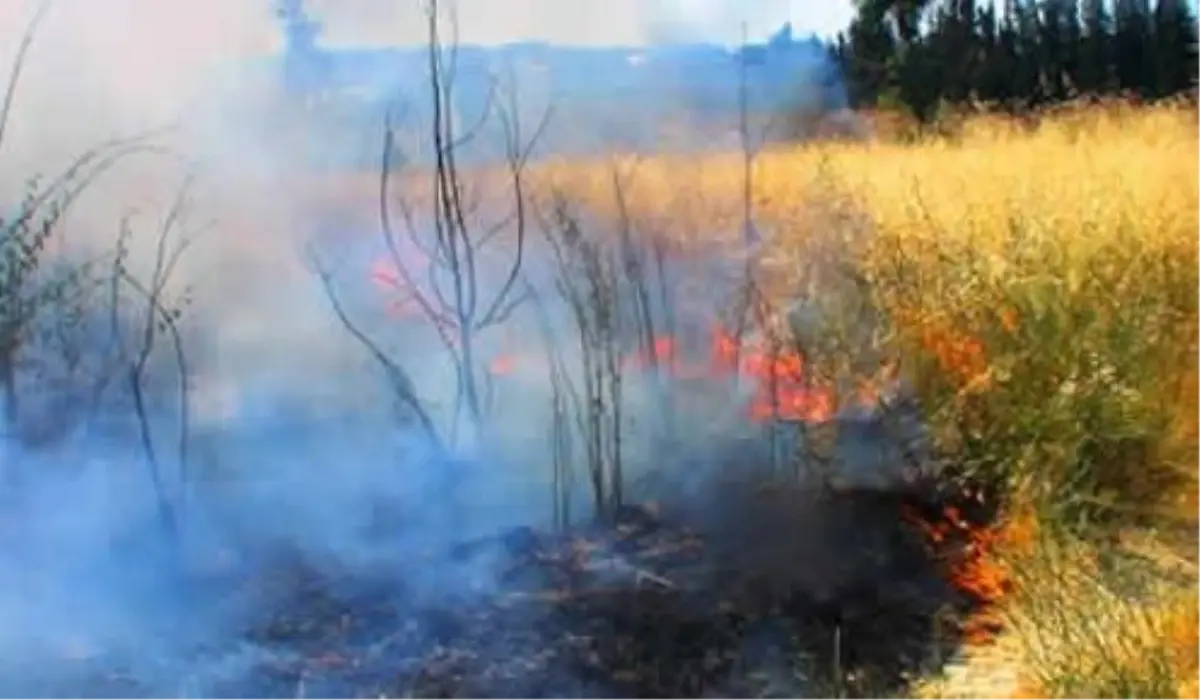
157	317
517	154
18	64
401	382
439	320
451	298
170	322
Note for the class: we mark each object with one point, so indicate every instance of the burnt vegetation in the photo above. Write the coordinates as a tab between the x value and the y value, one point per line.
752	575
725	516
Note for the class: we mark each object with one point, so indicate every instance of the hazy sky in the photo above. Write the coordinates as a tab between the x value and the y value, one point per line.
586	21
222	28
137	62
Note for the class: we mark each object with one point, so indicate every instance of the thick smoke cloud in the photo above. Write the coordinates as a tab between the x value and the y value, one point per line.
98	69
293	430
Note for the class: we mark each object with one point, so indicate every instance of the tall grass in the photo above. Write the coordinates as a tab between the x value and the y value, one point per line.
1038	287
1041	285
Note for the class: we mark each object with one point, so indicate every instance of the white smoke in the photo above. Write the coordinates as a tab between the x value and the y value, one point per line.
282	393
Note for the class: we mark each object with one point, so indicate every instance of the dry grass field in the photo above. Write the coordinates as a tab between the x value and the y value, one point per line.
1037	285
1034	287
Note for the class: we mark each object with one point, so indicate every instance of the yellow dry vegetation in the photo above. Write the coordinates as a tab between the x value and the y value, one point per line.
1039	285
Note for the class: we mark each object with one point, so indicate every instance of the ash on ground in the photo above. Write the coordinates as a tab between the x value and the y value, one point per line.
787	592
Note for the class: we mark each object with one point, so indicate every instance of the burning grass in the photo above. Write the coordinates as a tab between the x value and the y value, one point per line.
654	604
1038	288
1028	295
652	607
1034	291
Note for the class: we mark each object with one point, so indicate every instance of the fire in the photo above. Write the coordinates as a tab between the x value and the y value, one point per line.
663	352
979	568
505	364
387	278
793	398
781	390
959	355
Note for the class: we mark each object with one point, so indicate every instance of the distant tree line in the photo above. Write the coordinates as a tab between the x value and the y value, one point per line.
1014	54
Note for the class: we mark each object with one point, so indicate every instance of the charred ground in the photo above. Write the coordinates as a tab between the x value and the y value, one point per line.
649	607
788	592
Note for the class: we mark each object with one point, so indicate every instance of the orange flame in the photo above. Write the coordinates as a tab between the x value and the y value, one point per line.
957	354
781	389
387	278
662	352
503	365
978	568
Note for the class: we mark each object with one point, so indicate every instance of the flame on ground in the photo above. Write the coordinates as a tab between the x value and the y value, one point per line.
978	565
781	388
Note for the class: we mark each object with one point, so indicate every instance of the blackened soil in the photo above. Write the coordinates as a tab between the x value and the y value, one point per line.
648	607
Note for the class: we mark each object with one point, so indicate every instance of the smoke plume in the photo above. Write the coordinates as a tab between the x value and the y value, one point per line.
292	445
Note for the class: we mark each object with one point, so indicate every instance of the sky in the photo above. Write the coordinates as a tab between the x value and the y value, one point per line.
586	21
221	29
133	63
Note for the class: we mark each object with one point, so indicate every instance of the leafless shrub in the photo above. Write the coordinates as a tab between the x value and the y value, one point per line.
452	297
564	403
153	316
622	305
644	262
589	282
43	296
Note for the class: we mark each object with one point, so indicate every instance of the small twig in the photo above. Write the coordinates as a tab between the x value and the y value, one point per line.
402	383
18	64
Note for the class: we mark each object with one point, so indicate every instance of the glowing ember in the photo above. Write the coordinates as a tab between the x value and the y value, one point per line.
503	365
386	277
